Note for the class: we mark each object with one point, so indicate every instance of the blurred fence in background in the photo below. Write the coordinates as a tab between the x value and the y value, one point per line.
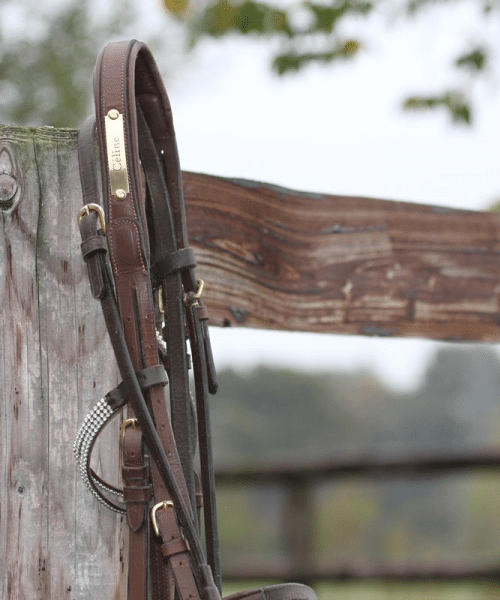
291	514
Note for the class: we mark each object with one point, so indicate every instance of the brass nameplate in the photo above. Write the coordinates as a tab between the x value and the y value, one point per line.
117	159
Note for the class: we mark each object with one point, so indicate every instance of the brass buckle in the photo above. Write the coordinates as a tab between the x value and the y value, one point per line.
124	425
165	505
199	291
194	299
87	209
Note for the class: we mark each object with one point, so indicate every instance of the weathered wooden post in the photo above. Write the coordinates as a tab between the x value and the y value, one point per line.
55	540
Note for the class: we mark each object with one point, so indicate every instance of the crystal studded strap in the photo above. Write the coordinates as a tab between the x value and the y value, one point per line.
95	421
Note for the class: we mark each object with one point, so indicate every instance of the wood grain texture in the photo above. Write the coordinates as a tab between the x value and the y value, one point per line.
55	363
280	259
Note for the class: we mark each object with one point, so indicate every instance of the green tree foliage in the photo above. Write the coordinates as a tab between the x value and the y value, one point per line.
282	414
454	102
259	19
318	38
46	78
45	71
275	414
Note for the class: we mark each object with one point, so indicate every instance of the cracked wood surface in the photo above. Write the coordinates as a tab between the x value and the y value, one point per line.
271	258
55	364
280	259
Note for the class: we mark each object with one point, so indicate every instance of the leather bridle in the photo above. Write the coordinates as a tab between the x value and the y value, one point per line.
142	270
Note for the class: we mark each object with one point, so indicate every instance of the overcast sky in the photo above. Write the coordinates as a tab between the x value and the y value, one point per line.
339	130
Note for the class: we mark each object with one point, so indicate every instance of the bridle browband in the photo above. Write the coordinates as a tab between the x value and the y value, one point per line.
141	268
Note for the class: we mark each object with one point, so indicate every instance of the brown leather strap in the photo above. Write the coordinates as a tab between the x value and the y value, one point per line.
131	388
146	239
137	494
130	384
124	72
137	491
196	318
115	89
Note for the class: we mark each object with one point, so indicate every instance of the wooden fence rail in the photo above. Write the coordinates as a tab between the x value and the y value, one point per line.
366	466
271	258
299	483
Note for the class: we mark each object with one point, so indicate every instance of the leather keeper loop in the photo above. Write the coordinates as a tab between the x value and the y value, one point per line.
146	378
96	243
178	260
135	473
151	377
175	546
136	516
117	397
138	494
202	313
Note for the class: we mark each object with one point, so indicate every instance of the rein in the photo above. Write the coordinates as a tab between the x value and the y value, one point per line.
141	268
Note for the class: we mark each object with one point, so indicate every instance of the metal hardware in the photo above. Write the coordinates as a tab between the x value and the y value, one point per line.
86	210
161	305
199	291
117	158
161	344
93	424
8	189
124	425
194	299
165	505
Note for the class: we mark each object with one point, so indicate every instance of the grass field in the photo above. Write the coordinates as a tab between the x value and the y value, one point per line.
422	591
427	591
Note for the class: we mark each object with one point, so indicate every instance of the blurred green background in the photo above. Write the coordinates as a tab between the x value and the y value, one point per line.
267	416
48	48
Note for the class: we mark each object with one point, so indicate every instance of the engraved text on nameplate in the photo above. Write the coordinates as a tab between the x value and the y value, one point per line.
117	159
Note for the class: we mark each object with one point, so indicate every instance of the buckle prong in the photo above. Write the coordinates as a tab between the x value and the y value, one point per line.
165	505
199	291
87	209
124	425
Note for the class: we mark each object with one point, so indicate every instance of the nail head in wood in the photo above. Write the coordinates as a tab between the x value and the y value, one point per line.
8	189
